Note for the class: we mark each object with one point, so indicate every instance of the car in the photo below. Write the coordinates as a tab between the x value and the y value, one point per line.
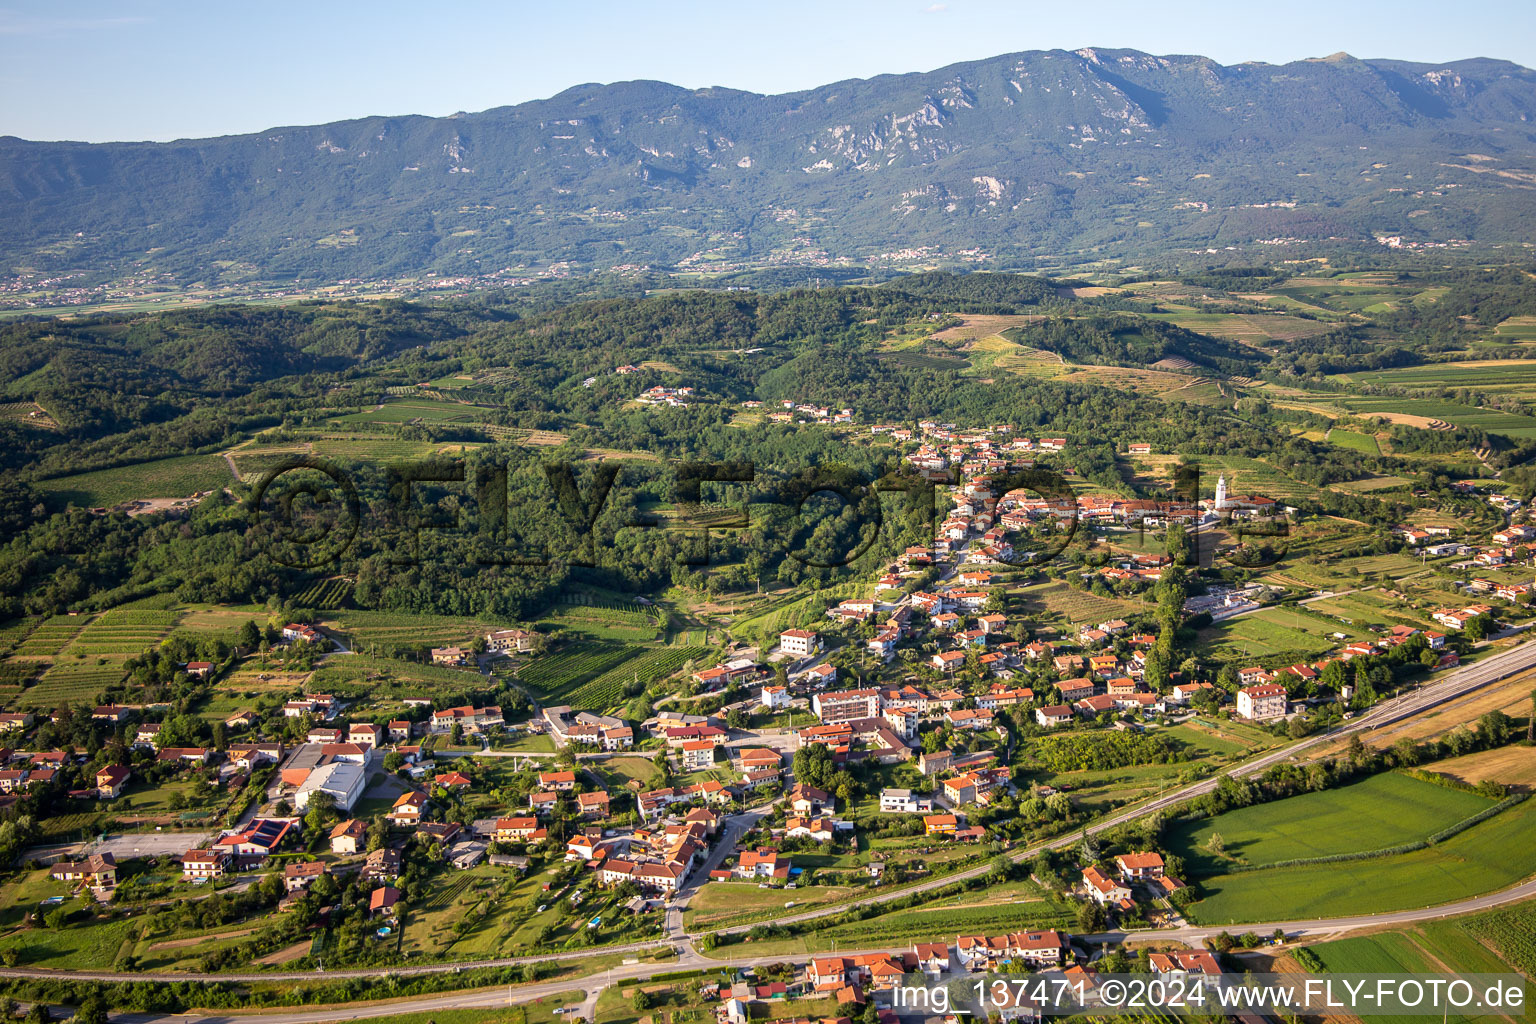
542	907
793	885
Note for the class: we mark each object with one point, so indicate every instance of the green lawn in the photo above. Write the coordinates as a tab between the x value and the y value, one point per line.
1381	811
1493	855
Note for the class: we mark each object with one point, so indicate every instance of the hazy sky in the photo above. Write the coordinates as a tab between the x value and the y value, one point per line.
161	69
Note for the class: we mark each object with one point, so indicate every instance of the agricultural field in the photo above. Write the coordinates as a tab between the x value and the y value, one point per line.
1494	375
1273	633
1512	932
323	594
50	637
1455	945
600	618
30	413
1511	696
1420	410
1257	329
1353	440
411	410
1244	476
366	448
594	675
1513	766
794	610
728	904
365	675
364	628
1517	328
178	477
1369	609
1069	605
1383	810
1492	855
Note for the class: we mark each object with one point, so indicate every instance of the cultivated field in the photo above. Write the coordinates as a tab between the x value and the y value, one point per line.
1492	855
1513	766
178	477
1383	810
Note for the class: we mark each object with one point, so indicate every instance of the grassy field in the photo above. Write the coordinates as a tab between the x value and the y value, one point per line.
164	478
1355	440
724	904
619	771
1492	855
1380	811
1272	631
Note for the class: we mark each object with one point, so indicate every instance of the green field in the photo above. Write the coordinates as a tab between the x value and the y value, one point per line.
1380	811
426	410
1492	855
1499	375
1431	948
1490	420
595	674
1354	440
178	477
1273	631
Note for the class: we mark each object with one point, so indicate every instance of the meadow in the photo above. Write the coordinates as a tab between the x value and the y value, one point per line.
1353	440
1272	633
1380	811
1492	855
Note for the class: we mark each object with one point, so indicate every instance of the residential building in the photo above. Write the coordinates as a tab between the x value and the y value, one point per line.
799	643
1261	702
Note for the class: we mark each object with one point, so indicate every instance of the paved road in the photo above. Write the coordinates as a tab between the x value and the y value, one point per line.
593	985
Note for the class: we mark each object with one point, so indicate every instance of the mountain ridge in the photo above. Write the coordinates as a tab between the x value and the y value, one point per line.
1096	152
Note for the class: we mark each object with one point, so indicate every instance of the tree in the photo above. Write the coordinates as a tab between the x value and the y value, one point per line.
250	635
1495	728
1216	844
93	1010
1091	918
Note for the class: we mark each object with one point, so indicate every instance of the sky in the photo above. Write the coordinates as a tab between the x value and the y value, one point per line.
102	70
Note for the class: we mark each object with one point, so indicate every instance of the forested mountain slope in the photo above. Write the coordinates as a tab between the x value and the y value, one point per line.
1038	154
